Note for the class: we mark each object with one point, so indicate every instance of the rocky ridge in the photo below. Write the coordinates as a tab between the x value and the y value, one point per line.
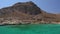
26	13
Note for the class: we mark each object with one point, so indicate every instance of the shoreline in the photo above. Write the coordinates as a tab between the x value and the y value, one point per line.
26	24
13	21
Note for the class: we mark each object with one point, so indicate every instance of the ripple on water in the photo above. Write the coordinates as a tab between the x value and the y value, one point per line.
31	29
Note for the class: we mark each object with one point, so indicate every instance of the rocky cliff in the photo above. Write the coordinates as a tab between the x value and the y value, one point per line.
26	13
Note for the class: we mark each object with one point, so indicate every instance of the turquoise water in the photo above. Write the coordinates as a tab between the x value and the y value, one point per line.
31	29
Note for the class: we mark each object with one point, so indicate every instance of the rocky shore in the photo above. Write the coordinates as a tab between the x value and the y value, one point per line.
14	21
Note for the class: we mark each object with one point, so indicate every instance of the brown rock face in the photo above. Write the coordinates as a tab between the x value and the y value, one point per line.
29	12
28	8
22	10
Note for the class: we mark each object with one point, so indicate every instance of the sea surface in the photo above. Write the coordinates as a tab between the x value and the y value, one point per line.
31	29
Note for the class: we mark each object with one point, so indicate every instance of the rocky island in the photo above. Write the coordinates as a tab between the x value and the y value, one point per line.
27	13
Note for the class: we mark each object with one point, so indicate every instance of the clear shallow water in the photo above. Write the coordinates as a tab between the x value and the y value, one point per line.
31	29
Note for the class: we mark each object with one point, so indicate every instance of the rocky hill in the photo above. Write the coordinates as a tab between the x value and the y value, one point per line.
26	12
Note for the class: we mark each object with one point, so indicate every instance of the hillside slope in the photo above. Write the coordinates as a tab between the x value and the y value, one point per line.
27	12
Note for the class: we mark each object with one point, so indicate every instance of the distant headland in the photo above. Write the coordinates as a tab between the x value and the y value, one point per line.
27	13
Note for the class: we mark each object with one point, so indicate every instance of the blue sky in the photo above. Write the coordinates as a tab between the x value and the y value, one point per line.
51	6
